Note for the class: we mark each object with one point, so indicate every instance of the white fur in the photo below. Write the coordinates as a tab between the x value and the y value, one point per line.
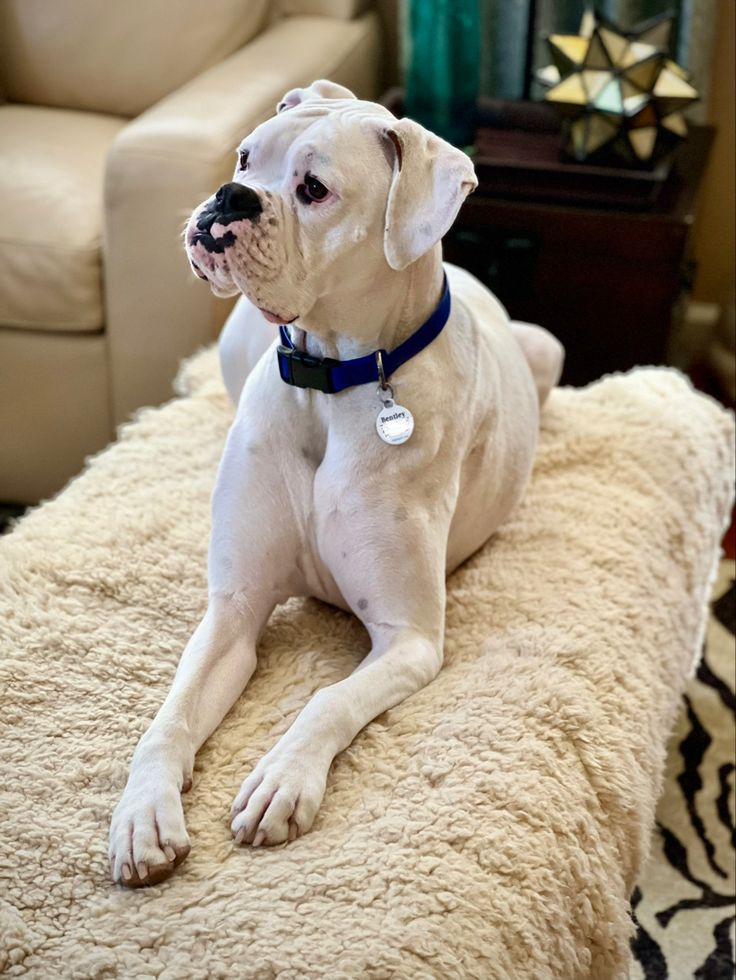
308	500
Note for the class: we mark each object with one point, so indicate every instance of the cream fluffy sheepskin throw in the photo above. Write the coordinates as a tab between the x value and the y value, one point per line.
491	826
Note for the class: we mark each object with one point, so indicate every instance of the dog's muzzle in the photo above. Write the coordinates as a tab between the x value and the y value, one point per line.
233	202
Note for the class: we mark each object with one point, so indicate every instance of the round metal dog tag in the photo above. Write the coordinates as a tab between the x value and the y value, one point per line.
394	423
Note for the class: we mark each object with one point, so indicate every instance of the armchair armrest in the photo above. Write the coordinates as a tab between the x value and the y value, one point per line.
174	155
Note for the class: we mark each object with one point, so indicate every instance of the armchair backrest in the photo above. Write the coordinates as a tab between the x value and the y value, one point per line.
116	56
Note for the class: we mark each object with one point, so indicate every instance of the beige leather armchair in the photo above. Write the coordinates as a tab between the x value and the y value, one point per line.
115	121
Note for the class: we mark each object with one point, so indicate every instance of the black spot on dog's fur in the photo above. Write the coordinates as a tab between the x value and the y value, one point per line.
362	604
213	244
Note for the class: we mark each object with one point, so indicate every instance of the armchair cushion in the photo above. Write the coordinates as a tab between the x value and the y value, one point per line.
340	9
52	165
67	53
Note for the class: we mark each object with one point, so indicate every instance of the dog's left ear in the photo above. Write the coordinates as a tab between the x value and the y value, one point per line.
321	89
431	179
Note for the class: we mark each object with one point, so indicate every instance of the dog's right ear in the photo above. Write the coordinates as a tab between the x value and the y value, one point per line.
321	89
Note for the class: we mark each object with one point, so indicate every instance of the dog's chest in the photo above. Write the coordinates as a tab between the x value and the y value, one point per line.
348	487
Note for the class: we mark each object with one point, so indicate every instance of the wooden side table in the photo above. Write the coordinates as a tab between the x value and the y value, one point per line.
600	262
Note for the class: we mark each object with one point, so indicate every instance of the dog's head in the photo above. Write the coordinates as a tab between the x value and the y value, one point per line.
328	185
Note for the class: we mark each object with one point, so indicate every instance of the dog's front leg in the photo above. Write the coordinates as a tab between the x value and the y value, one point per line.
148	836
402	606
251	552
281	797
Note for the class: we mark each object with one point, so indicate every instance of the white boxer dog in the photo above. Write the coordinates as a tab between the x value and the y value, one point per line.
332	224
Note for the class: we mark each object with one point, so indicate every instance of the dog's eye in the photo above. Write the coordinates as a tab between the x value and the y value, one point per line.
315	190
243	160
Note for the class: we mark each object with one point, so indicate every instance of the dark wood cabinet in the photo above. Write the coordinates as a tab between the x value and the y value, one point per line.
606	278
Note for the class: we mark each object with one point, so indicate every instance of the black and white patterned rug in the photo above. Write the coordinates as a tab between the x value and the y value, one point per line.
685	905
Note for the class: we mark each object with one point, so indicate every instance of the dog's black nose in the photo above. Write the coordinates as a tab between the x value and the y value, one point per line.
238	201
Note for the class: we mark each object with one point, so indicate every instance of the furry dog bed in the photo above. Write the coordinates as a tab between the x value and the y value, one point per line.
493	825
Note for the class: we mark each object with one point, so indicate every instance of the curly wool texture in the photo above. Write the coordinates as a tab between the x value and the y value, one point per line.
493	825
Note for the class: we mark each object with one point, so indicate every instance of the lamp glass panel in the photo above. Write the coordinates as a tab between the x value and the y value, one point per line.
658	35
615	44
645	73
677	69
578	133
634	103
600	130
587	23
628	89
569	90
646	117
643	140
610	98
597	56
571	46
595	82
672	86
667	106
549	75
675	122
637	52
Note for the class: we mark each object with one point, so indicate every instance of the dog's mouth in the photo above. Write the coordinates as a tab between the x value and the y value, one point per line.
211	235
271	315
276	317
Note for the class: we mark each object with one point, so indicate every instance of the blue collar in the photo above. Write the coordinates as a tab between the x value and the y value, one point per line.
329	375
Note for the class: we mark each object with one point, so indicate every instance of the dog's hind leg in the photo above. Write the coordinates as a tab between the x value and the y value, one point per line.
544	353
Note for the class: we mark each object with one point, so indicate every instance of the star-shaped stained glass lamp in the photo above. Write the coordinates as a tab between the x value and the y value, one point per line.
622	94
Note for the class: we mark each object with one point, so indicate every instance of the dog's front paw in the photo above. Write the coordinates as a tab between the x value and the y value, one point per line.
280	798
148	836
